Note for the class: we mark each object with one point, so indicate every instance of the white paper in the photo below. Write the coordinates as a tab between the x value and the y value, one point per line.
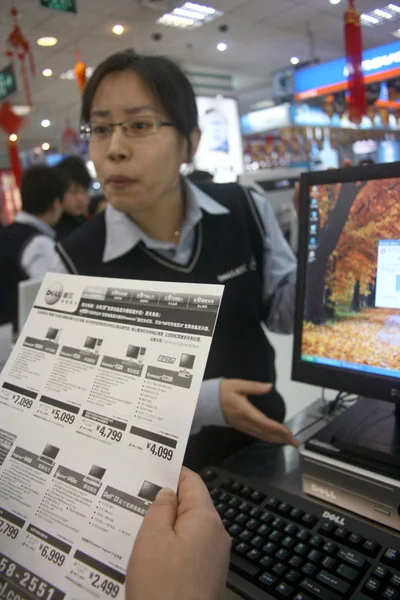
96	404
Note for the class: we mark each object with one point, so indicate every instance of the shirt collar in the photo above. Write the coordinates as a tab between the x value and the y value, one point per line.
28	219
122	234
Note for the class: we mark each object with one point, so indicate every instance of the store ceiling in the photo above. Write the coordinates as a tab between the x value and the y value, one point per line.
262	36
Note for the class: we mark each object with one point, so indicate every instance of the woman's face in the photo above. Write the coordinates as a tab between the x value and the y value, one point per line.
136	174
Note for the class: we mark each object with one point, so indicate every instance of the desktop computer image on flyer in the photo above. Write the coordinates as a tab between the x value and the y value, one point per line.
347	335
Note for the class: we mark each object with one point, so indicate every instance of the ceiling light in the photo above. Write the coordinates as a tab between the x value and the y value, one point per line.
47	72
368	20
383	14
47	41
396	33
222	46
13	137
189	15
294	60
394	8
22	110
335	1
45	146
45	123
118	29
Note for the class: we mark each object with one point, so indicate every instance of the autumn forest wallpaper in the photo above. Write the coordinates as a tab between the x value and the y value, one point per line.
341	320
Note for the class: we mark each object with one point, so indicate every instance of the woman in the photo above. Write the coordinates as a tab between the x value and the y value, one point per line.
139	114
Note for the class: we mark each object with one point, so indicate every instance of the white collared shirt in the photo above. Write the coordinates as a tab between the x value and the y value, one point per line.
280	264
38	255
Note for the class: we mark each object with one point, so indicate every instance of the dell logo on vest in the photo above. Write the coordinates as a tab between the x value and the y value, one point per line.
332	517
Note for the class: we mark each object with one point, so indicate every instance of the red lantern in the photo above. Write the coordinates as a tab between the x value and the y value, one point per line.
18	45
10	123
353	46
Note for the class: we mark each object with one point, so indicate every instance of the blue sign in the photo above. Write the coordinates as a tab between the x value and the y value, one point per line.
331	75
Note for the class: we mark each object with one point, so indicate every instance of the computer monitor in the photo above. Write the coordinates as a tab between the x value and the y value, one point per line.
187	361
52	334
49	454
133	352
149	491
95	475
347	318
90	343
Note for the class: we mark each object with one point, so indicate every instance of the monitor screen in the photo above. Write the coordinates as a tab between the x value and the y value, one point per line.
96	472
149	491
52	333
347	326
50	451
90	342
187	361
133	351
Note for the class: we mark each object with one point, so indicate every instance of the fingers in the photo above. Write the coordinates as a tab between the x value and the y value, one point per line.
161	516
264	428
192	492
252	388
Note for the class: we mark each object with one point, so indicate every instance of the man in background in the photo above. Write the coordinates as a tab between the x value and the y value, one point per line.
27	245
72	170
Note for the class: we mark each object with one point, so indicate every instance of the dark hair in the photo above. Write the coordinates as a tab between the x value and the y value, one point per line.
165	80
198	176
40	186
73	170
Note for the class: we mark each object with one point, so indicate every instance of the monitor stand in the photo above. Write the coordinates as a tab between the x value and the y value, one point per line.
367	434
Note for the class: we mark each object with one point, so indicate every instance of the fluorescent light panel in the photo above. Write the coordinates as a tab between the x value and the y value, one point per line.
189	16
390	12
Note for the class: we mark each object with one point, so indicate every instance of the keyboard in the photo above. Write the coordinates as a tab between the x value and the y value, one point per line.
288	547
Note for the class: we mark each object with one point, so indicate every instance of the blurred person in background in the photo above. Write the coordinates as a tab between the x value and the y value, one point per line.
97	204
75	202
27	245
140	116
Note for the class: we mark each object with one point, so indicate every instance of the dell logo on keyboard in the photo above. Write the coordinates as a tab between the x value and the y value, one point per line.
324	492
332	517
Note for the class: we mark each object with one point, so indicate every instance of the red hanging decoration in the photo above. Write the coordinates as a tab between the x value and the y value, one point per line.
18	46
353	46
80	71
10	123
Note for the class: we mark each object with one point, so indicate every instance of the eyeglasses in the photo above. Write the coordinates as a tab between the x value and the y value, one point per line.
136	127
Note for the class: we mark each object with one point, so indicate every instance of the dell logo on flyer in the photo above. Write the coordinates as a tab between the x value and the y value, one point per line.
332	517
54	293
322	491
387	60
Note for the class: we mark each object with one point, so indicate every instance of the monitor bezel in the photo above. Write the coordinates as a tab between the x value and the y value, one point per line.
363	384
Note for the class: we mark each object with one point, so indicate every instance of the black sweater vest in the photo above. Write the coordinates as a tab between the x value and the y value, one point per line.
13	240
228	250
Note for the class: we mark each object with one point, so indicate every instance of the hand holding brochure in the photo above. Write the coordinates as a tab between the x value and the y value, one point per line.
96	404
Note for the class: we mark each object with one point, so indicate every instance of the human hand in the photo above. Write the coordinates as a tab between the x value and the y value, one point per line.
239	412
182	549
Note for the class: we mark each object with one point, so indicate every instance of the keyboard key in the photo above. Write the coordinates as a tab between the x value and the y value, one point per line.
278	523
314	556
352	558
279	569
257	541
293	576
301	549
234	530
266	517
275	536
226	523
269	548
246	491
225	497
245	507
380	572
319	590
391	557
282	554
295	562
246	535
253	555
226	484
284	590
347	572
288	542
326	528
284	508
221	508
272	502
371	548
215	493
263	530
208	475
296	514
257	497
390	594
268	580
230	513
291	529
372	585
255	512
335	583
241	548
235	486
330	548
252	524
328	562
340	534
241	519
234	502
309	569
243	566
309	520
355	539
316	541
303	535
395	581
266	561
301	596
